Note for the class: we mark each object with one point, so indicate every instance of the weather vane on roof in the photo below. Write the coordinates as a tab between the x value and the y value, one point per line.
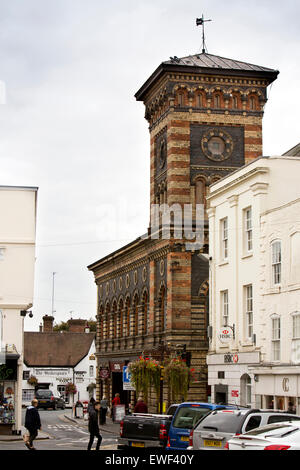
200	22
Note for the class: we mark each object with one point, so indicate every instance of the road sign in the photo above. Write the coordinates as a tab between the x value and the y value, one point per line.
127	385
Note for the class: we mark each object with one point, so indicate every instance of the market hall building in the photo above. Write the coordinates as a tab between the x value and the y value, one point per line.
205	120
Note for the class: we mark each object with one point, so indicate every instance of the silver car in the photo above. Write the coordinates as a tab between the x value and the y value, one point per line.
215	429
277	436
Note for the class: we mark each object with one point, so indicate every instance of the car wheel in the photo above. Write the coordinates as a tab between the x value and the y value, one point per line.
54	407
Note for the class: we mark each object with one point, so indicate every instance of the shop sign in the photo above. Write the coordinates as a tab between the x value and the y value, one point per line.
231	358
104	373
127	385
225	334
116	366
8	371
285	384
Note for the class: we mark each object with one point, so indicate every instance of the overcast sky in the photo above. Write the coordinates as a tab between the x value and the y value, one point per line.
72	127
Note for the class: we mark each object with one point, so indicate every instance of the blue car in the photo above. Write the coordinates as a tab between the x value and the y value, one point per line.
186	417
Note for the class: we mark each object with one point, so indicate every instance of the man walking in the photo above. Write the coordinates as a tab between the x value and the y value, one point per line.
32	423
94	426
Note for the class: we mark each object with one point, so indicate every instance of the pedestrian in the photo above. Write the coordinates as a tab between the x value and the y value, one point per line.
94	426
91	405
103	410
116	401
141	406
32	423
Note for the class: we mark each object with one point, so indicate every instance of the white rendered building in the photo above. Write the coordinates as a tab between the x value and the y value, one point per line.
17	260
254	224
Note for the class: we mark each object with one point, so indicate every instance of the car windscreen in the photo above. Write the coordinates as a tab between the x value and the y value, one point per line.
221	422
187	416
43	393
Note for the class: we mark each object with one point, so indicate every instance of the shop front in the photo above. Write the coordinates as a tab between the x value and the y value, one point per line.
278	389
231	378
8	389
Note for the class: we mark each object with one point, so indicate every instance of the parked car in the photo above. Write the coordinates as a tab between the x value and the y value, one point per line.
186	417
145	430
47	399
216	428
277	436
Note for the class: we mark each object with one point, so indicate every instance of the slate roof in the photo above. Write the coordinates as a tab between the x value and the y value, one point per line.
56	349
205	60
293	152
210	64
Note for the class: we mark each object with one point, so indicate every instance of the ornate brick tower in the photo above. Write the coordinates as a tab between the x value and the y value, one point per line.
205	116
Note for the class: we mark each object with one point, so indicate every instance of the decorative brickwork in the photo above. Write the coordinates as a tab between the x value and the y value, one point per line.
204	123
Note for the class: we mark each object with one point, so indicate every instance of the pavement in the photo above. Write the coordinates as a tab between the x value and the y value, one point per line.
109	427
12	438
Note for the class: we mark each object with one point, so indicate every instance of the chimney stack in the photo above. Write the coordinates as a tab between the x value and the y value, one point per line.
48	324
76	325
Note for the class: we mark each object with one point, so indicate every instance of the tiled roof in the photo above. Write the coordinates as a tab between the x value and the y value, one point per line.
56	349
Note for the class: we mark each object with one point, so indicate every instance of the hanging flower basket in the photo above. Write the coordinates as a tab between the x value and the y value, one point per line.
179	377
71	388
32	380
145	373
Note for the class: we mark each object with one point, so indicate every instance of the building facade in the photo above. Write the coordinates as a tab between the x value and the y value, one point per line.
254	355
17	261
59	358
205	120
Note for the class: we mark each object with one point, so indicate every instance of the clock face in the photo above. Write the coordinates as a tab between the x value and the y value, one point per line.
217	145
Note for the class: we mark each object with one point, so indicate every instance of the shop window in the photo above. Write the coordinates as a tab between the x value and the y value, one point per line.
7	403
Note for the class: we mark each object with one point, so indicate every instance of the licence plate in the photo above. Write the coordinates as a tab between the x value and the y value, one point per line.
184	439
137	444
209	443
43	401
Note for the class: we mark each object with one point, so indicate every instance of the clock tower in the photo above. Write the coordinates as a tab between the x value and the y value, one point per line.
205	119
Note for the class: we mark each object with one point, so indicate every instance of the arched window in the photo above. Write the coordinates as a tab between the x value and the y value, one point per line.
200	191
217	101
235	104
145	313
127	318
252	103
199	100
180	98
121	308
162	310
136	315
114	321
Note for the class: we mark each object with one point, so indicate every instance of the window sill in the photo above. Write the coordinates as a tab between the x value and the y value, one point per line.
247	255
223	262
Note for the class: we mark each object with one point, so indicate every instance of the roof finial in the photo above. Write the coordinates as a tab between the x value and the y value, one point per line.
200	22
